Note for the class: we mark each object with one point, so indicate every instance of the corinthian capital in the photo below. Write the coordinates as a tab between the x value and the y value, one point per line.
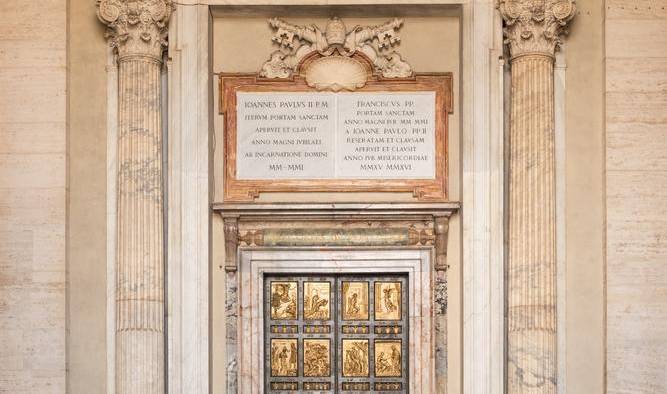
136	27
535	26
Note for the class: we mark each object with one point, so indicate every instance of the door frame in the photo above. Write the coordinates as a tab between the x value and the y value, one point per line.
256	262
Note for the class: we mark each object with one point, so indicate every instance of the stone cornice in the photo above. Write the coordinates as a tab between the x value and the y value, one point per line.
136	27
535	26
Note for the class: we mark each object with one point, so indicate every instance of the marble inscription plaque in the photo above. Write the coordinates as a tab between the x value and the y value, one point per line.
285	135
312	135
386	135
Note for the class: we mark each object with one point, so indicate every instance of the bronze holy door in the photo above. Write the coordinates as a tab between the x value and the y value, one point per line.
336	333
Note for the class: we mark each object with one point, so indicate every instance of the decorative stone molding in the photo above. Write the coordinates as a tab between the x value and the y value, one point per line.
136	27
336	69
330	236
535	26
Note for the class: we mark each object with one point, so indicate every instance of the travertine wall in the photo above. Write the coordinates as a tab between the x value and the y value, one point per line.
32	195
636	146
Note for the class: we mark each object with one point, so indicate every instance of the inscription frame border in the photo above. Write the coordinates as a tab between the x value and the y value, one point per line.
432	190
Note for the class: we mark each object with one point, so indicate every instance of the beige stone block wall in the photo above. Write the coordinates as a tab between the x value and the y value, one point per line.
636	163
32	196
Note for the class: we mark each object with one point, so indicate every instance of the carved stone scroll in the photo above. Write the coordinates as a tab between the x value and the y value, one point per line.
441	229
231	229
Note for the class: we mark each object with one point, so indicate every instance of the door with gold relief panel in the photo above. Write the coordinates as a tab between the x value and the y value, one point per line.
335	334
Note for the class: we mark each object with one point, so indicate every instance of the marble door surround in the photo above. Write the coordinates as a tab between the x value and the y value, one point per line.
336	239
416	263
137	31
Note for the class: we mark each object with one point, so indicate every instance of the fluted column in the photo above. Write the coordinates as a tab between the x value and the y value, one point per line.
532	31
137	29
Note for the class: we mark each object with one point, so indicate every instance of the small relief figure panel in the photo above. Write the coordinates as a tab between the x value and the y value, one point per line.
355	300
316	300
388	358
284	300
388	300
316	357
283	357
355	357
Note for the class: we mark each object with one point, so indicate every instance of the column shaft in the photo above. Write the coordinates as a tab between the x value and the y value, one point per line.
531	265
140	264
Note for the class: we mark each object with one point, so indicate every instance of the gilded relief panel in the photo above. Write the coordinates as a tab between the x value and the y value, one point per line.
355	300
355	357
388	358
283	300
284	357
316	357
387	300
316	305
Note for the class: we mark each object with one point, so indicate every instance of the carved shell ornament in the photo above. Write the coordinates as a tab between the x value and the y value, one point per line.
535	26
136	27
336	73
336	69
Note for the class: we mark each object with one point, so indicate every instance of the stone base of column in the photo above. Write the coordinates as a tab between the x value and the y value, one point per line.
531	362
139	362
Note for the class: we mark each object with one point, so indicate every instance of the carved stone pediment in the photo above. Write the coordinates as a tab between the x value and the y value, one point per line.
338	51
